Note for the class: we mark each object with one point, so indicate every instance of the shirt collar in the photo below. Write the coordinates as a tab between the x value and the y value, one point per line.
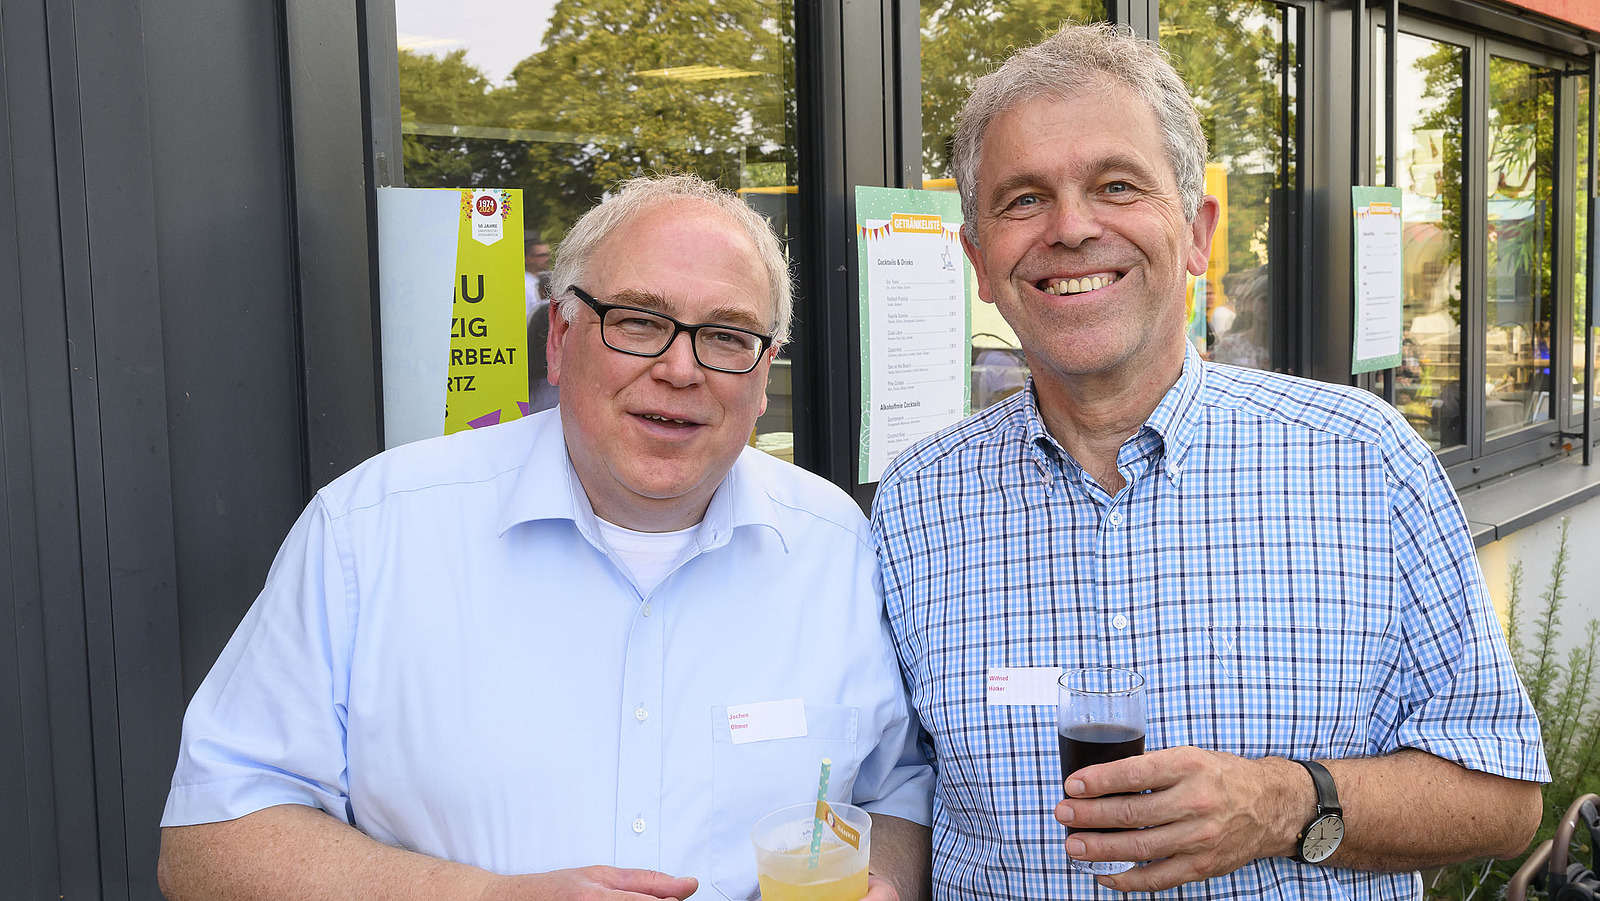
548	488
1047	454
1172	424
1176	419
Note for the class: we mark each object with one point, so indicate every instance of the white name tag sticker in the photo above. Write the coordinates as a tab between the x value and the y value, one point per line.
767	720
1022	685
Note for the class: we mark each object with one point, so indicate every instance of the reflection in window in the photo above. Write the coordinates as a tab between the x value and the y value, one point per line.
1430	98
1579	148
1521	211
565	100
1239	60
962	41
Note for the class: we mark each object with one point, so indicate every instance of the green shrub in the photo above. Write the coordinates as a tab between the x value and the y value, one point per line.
1563	692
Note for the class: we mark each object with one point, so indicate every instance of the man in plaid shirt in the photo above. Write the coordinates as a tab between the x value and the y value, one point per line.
1283	560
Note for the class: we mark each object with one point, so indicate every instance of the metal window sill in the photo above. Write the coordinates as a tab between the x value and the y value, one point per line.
1496	509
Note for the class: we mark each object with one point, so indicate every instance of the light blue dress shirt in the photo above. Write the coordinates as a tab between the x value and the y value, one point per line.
1287	565
447	656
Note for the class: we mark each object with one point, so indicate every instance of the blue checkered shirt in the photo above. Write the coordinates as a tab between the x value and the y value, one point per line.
1287	566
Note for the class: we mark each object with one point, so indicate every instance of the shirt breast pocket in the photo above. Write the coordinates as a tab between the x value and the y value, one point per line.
1282	688
752	779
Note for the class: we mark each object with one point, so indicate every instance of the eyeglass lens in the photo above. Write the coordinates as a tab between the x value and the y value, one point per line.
635	331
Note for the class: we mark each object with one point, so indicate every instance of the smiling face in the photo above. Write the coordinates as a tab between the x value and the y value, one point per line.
1082	242
652	438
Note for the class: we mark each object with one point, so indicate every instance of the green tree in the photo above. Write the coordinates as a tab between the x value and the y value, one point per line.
962	41
618	89
693	86
1233	55
438	92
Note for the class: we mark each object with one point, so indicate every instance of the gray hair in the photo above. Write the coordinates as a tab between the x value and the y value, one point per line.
1083	58
636	196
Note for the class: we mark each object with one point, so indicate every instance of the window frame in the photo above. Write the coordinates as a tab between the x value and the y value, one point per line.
1480	457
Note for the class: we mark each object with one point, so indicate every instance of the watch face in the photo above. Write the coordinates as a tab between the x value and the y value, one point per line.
1322	838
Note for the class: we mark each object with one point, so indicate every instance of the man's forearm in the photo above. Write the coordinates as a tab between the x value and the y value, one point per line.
1195	813
300	853
1411	810
902	852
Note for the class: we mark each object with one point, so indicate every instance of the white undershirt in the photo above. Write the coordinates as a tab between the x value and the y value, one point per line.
650	556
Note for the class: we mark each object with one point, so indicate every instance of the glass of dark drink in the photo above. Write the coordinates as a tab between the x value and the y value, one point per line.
1099	718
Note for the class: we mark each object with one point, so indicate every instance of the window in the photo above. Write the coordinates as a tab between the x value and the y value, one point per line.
1430	100
1520	211
1491	182
1579	148
1241	60
564	100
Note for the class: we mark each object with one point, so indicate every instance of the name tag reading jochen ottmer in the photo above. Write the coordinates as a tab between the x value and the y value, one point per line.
767	720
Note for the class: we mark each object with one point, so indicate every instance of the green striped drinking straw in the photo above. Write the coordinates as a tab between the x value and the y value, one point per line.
816	817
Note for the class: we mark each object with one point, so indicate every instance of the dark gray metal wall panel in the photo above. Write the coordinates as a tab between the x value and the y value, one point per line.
81	635
822	392
90	687
332	243
1327	157
41	87
870	158
132	612
227	306
27	832
18	589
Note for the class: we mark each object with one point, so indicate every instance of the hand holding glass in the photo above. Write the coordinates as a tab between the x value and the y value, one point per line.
1099	718
788	871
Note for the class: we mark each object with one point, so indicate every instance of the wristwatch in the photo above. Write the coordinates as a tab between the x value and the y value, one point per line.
1322	835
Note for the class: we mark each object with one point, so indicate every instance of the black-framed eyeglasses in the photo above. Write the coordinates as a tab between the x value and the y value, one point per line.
646	333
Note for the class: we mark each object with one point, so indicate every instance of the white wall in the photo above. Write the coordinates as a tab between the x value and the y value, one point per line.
1535	546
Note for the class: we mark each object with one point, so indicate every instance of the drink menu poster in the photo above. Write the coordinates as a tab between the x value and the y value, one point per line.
1380	301
916	373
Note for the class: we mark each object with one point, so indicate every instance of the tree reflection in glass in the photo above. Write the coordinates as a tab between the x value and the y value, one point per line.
1240	62
1520	296
1579	148
1430	96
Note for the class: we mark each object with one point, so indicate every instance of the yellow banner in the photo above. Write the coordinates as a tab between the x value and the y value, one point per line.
488	373
919	224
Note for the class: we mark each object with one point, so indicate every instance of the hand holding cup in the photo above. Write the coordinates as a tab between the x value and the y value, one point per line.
1100	717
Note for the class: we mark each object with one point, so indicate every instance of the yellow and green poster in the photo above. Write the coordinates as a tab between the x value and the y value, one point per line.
452	310
488	371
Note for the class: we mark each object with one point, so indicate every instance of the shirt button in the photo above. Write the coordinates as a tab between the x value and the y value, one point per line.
1120	621
641	714
1115	518
646	609
638	825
